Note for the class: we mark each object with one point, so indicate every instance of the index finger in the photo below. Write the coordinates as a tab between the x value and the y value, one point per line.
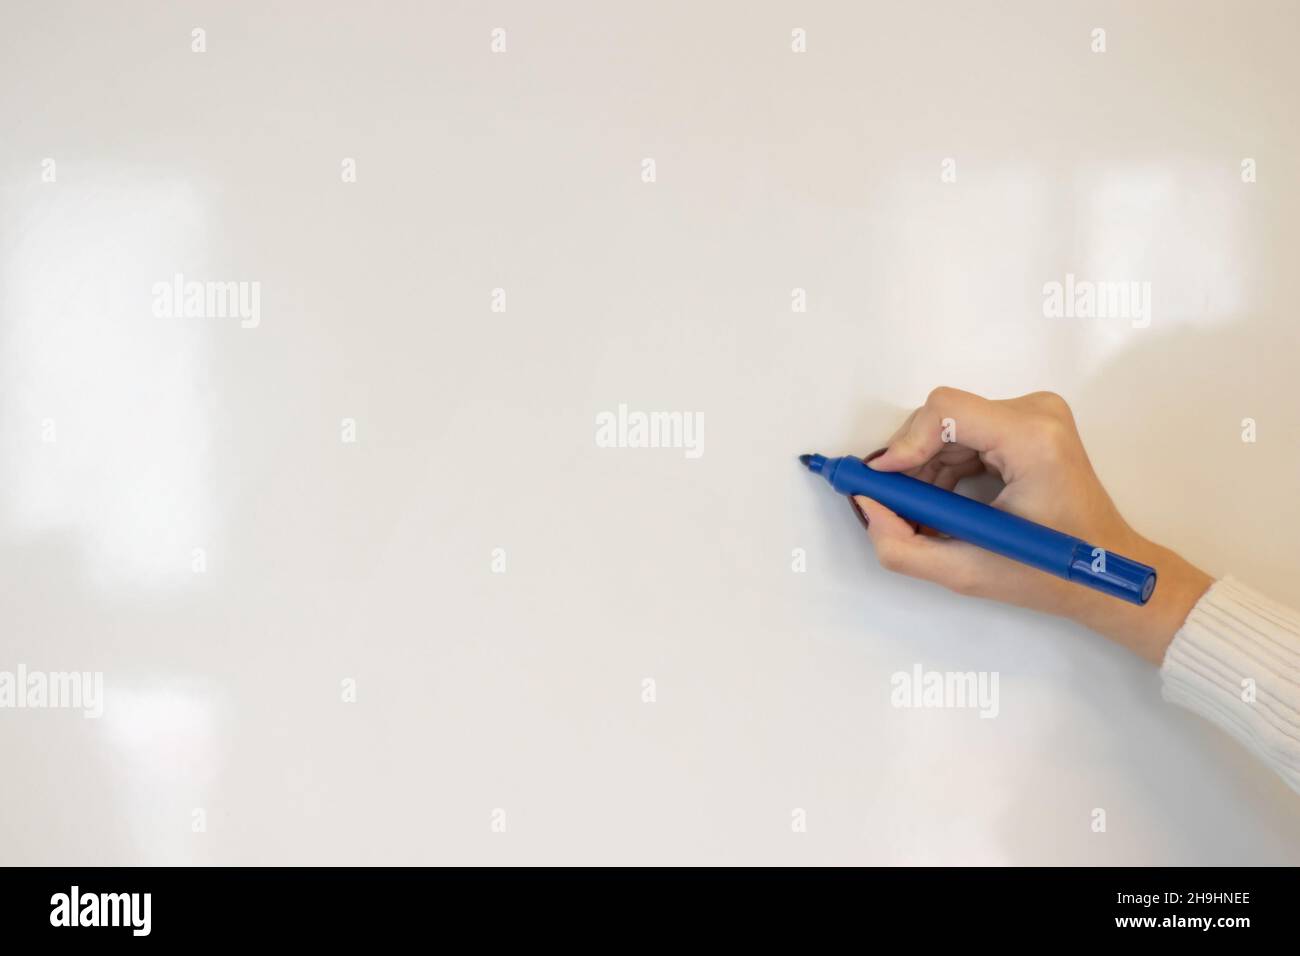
949	416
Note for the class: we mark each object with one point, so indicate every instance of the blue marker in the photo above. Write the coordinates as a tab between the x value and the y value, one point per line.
998	531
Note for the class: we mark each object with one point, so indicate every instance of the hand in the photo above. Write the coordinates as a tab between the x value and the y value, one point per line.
1032	444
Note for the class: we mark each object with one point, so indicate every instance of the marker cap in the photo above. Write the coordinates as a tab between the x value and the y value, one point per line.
1113	573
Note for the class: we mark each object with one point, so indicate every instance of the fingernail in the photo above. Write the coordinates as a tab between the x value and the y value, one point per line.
873	456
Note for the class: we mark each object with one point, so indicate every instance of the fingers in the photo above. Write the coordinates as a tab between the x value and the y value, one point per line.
948	417
1033	445
945	474
953	564
882	524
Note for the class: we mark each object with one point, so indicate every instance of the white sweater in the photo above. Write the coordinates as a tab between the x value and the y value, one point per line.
1236	662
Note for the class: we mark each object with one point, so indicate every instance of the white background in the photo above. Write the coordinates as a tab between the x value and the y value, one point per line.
371	561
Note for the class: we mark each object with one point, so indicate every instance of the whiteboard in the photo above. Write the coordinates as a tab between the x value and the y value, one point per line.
341	534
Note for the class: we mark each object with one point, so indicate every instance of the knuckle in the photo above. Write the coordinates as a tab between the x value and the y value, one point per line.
940	396
1053	436
1049	427
1052	404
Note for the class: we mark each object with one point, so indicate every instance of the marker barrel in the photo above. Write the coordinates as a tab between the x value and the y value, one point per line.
998	531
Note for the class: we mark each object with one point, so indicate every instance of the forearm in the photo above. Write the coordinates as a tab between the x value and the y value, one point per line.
1146	630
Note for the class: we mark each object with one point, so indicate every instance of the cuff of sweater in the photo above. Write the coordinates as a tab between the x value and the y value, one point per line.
1236	662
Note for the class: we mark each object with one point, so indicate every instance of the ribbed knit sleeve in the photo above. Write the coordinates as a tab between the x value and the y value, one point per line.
1236	662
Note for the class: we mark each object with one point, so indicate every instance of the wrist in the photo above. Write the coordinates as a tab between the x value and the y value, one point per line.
1147	630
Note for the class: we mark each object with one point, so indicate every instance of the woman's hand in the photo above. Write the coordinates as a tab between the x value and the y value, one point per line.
1032	444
